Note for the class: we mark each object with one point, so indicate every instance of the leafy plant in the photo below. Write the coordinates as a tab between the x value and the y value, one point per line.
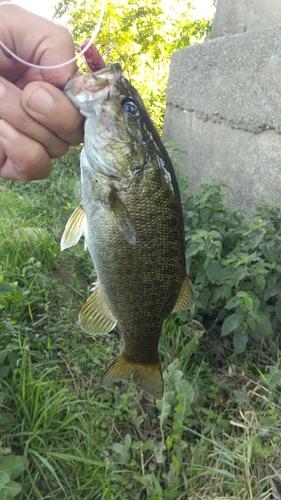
11	467
235	266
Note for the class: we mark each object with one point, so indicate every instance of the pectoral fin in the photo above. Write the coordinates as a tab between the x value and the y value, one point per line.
95	316
74	229
122	217
185	298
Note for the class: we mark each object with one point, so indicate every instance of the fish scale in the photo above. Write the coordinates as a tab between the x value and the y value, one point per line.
131	216
152	298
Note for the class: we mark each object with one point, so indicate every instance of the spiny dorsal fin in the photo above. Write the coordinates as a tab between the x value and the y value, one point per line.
185	298
147	377
95	316
74	229
122	217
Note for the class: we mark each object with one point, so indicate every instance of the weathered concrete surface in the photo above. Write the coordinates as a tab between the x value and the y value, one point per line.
224	108
221	155
234	16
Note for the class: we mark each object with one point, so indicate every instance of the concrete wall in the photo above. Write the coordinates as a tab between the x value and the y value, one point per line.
238	16
224	109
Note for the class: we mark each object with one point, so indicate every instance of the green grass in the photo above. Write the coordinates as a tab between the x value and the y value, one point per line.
216	433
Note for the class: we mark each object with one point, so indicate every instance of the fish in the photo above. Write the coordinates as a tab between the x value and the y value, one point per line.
131	217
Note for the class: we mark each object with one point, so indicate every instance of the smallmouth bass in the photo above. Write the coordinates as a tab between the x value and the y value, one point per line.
131	217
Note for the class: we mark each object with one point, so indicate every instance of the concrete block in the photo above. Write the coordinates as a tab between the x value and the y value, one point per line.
223	106
238	16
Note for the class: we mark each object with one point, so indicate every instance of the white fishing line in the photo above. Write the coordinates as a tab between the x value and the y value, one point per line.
55	66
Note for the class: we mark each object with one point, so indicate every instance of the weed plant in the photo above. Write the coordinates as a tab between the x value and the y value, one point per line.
216	432
235	264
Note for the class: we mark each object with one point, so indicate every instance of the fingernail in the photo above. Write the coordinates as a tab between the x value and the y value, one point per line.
2	90
7	131
40	101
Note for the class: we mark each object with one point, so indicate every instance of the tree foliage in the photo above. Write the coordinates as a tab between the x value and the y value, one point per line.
142	35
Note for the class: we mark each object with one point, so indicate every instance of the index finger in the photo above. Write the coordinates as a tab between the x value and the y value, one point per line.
56	48
47	44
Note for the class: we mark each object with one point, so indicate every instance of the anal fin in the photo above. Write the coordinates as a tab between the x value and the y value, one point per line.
95	316
185	298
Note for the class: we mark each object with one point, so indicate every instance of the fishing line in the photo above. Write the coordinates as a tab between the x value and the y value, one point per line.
55	66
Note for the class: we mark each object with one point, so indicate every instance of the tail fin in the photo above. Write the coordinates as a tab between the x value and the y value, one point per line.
147	377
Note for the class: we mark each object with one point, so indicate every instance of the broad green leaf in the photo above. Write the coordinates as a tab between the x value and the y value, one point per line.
11	489
278	309
203	299
4	370
218	294
251	322
4	479
231	323
238	275
6	287
261	271
191	250
242	294
13	465
240	339
215	234
226	272
248	304
260	282
264	325
254	241
119	448
213	271
227	290
205	214
256	303
3	355
272	291
232	303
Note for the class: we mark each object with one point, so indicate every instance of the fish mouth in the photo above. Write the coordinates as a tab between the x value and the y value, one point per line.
93	83
112	137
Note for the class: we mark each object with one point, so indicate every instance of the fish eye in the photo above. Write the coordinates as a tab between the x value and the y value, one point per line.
130	107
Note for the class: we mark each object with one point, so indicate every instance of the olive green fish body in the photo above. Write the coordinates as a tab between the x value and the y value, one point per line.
140	282
132	219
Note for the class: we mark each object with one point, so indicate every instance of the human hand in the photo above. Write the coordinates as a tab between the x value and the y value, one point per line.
37	121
